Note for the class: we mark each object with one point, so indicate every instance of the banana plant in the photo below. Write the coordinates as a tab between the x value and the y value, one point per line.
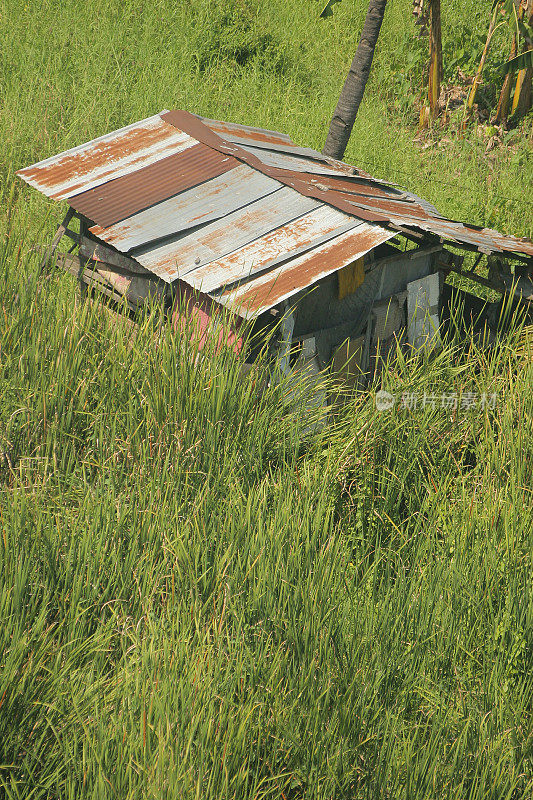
352	93
518	68
427	16
435	59
493	26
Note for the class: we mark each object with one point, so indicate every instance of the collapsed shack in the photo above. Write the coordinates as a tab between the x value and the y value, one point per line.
179	208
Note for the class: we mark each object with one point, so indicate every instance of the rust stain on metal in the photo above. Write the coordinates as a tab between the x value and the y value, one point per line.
105	158
299	232
290	280
204	203
268	290
391	207
122	197
227	234
266	230
487	240
81	163
257	135
359	186
282	244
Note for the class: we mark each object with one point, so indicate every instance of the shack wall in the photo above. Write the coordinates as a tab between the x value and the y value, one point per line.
320	312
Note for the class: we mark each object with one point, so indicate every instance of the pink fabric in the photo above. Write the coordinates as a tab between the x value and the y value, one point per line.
196	313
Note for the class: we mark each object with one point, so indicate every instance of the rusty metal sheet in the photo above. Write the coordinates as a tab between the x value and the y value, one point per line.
132	150
291	162
296	180
259	137
122	197
389	207
260	134
108	157
360	186
442	228
183	120
485	240
267	290
205	203
483	237
282	244
278	142
177	258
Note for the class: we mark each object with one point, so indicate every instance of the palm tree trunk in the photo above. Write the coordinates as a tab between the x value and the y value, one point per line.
354	86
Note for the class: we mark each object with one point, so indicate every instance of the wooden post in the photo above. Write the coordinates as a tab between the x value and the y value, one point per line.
81	283
49	253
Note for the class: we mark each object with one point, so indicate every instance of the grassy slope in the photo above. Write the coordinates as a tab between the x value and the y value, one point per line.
73	71
191	606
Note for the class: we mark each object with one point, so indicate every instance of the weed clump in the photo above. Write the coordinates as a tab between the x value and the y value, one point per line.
230	32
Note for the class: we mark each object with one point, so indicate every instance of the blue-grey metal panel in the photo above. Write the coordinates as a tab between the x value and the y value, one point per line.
280	245
293	163
222	127
188	252
304	152
202	204
259	137
270	288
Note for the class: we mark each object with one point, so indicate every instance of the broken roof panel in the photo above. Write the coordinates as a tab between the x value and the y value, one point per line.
291	162
486	240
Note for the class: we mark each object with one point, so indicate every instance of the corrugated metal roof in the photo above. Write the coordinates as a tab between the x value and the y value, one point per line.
178	258
253	297
272	249
298	178
258	137
108	157
241	213
197	206
122	197
288	161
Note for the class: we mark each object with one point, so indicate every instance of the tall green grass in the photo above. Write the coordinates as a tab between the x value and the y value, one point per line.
198	597
201	599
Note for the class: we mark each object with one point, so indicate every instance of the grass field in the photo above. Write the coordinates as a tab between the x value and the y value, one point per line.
197	599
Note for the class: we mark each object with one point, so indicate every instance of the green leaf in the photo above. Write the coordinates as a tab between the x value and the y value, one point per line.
521	61
505	5
327	11
525	29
